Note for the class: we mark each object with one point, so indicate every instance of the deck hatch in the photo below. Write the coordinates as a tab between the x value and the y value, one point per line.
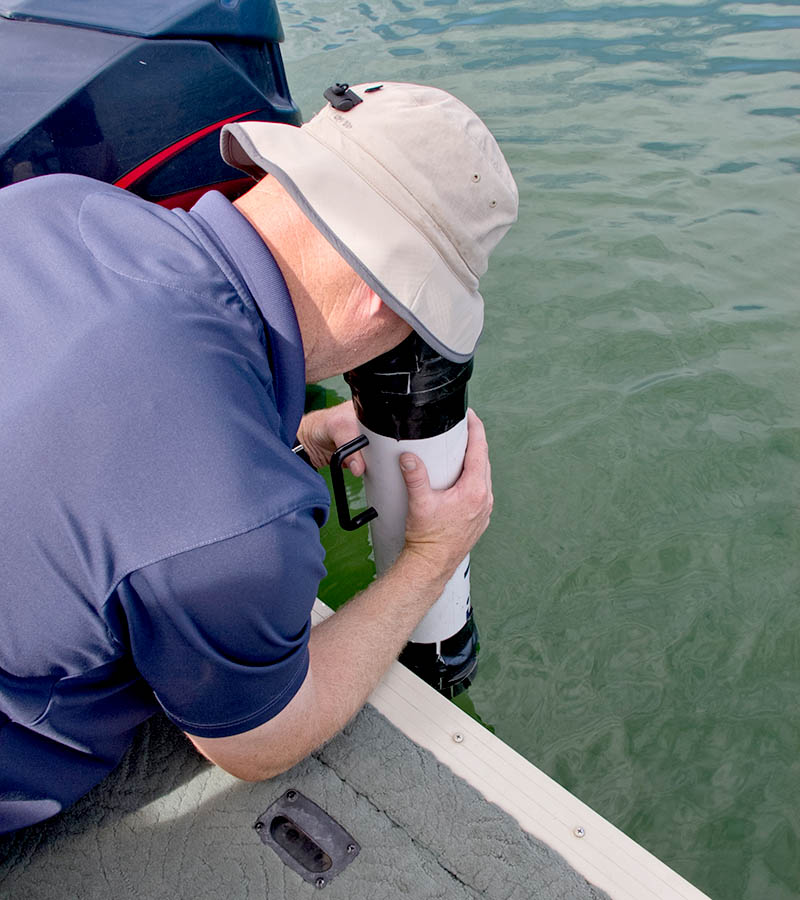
306	838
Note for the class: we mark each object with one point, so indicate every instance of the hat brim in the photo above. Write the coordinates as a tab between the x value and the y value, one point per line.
383	247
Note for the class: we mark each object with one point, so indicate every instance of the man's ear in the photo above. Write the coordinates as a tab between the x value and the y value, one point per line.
368	301
375	303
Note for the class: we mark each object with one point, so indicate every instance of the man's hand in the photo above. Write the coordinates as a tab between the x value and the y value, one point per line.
443	526
322	431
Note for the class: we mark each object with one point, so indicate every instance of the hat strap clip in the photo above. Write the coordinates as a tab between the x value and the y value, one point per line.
341	97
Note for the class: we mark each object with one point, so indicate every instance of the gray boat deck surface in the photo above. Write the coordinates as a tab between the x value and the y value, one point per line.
168	824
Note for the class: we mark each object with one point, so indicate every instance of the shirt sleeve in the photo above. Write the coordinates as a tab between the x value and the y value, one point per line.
220	633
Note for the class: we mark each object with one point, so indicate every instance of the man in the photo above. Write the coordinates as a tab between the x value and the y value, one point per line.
159	542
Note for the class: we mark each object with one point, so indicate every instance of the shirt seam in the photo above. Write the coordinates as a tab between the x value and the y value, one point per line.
230	274
213	253
105	265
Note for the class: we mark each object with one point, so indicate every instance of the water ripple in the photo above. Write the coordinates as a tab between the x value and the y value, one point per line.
638	377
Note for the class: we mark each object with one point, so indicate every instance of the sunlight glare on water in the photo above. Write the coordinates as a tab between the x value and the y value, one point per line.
638	590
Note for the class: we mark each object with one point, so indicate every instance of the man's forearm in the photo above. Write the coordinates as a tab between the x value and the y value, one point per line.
352	649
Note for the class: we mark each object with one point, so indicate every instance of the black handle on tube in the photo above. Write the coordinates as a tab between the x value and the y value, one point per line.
339	455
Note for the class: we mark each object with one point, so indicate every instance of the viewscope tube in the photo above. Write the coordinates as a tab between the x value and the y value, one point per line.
413	399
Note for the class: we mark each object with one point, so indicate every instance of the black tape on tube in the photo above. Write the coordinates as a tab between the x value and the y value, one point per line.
411	392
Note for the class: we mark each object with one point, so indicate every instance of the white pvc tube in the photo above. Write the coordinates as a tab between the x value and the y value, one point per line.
443	456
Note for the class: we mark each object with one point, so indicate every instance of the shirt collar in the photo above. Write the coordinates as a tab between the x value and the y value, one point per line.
269	294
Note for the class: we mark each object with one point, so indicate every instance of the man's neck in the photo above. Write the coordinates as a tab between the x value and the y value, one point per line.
319	283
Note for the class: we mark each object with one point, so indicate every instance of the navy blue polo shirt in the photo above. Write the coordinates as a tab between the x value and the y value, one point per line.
159	541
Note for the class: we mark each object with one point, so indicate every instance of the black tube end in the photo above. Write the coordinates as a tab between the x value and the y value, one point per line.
411	392
453	669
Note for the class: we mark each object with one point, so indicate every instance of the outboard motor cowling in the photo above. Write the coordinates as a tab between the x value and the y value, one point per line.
134	93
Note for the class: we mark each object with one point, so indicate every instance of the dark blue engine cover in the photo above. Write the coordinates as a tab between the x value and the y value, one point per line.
134	93
255	20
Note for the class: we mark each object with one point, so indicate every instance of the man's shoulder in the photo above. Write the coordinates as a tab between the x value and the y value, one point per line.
63	201
93	226
57	188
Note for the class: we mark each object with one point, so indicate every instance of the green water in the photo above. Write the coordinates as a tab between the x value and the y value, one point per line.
637	592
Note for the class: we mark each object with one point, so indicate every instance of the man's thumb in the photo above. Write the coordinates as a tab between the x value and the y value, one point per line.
414	472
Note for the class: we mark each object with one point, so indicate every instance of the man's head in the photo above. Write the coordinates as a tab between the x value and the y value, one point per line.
408	186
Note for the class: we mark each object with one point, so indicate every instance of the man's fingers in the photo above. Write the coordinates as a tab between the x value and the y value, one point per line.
444	525
323	430
355	464
415	475
476	458
475	431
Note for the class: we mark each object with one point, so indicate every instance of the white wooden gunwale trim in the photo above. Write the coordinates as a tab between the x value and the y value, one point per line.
605	856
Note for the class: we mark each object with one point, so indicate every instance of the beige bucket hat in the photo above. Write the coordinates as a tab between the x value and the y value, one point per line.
411	189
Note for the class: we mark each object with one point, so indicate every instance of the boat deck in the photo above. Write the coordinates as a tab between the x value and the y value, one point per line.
168	824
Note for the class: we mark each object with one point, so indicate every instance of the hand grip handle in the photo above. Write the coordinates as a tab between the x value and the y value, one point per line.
339	455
